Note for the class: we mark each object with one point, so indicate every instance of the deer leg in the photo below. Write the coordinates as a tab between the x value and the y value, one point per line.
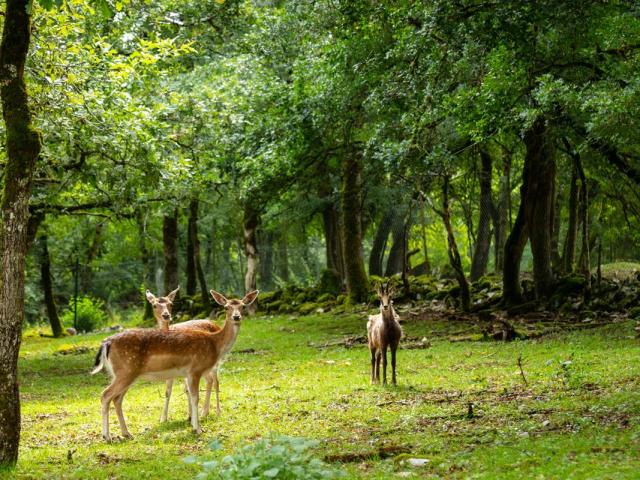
373	366
208	378
117	403
116	388
378	358
167	397
186	390
384	365
193	383
216	384
393	365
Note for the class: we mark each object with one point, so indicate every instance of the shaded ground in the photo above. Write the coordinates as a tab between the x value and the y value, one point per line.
577	415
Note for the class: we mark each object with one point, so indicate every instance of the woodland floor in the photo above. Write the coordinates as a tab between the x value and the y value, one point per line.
578	417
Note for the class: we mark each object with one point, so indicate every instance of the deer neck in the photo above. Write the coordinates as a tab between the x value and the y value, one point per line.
229	333
388	316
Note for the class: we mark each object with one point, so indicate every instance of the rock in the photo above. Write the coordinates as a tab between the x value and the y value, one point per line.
417	462
71	331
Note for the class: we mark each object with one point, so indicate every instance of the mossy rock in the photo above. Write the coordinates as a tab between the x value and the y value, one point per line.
270	297
570	285
635	313
326	297
271	307
330	282
300	298
284	307
307	308
341	299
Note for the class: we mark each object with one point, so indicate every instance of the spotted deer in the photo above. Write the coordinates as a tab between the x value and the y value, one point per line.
165	354
162	307
384	331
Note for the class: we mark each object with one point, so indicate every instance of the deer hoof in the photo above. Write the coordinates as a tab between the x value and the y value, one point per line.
107	438
127	435
197	431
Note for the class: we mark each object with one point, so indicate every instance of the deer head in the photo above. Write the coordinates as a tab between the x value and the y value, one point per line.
385	293
162	307
234	307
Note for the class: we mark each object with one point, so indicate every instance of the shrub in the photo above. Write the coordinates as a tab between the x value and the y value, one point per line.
274	457
91	314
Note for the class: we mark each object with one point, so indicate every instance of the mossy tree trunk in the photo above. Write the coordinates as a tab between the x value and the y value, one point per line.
170	246
22	149
483	237
351	220
452	249
379	245
46	281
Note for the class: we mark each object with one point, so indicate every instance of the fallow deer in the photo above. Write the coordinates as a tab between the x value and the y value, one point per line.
384	331
162	307
165	354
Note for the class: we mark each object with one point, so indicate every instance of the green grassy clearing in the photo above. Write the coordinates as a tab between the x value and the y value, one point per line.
574	420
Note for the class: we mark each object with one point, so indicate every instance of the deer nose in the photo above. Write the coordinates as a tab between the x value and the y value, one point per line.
385	306
236	316
166	315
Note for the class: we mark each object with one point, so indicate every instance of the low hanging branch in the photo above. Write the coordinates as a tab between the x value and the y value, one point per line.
452	250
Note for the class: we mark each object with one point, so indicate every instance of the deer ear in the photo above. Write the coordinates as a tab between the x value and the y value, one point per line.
250	297
172	294
219	298
150	296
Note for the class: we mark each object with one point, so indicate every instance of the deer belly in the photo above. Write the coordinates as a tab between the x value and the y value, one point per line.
165	374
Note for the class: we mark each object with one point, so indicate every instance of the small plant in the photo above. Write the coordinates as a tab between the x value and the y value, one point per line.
91	314
274	457
568	373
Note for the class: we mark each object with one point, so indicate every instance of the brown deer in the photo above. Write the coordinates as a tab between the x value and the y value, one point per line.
384	331
162	307
165	354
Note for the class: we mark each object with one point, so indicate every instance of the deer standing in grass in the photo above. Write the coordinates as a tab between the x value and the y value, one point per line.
384	331
166	354
162	307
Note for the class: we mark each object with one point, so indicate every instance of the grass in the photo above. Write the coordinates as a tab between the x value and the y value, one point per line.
577	418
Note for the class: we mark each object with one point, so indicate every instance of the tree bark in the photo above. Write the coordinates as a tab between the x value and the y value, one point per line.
556	260
351	213
250	223
569	250
22	150
170	244
194	264
483	237
452	250
539	202
400	227
423	225
333	246
47	288
585	256
266	259
379	245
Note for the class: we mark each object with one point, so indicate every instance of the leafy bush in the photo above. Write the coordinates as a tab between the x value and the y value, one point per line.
91	314
275	457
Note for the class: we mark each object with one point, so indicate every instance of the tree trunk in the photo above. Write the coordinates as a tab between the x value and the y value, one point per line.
47	288
513	248
569	250
22	150
331	223
452	250
144	256
539	203
423	222
379	246
398	248
351	213
250	223
193	255
556	261
502	213
585	256
170	243
483	238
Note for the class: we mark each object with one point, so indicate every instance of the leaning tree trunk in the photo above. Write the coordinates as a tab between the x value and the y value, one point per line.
47	288
452	250
483	238
22	150
379	245
541	195
170	244
250	223
569	250
144	255
351	213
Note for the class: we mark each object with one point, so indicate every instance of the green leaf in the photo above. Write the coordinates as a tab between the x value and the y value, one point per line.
271	473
